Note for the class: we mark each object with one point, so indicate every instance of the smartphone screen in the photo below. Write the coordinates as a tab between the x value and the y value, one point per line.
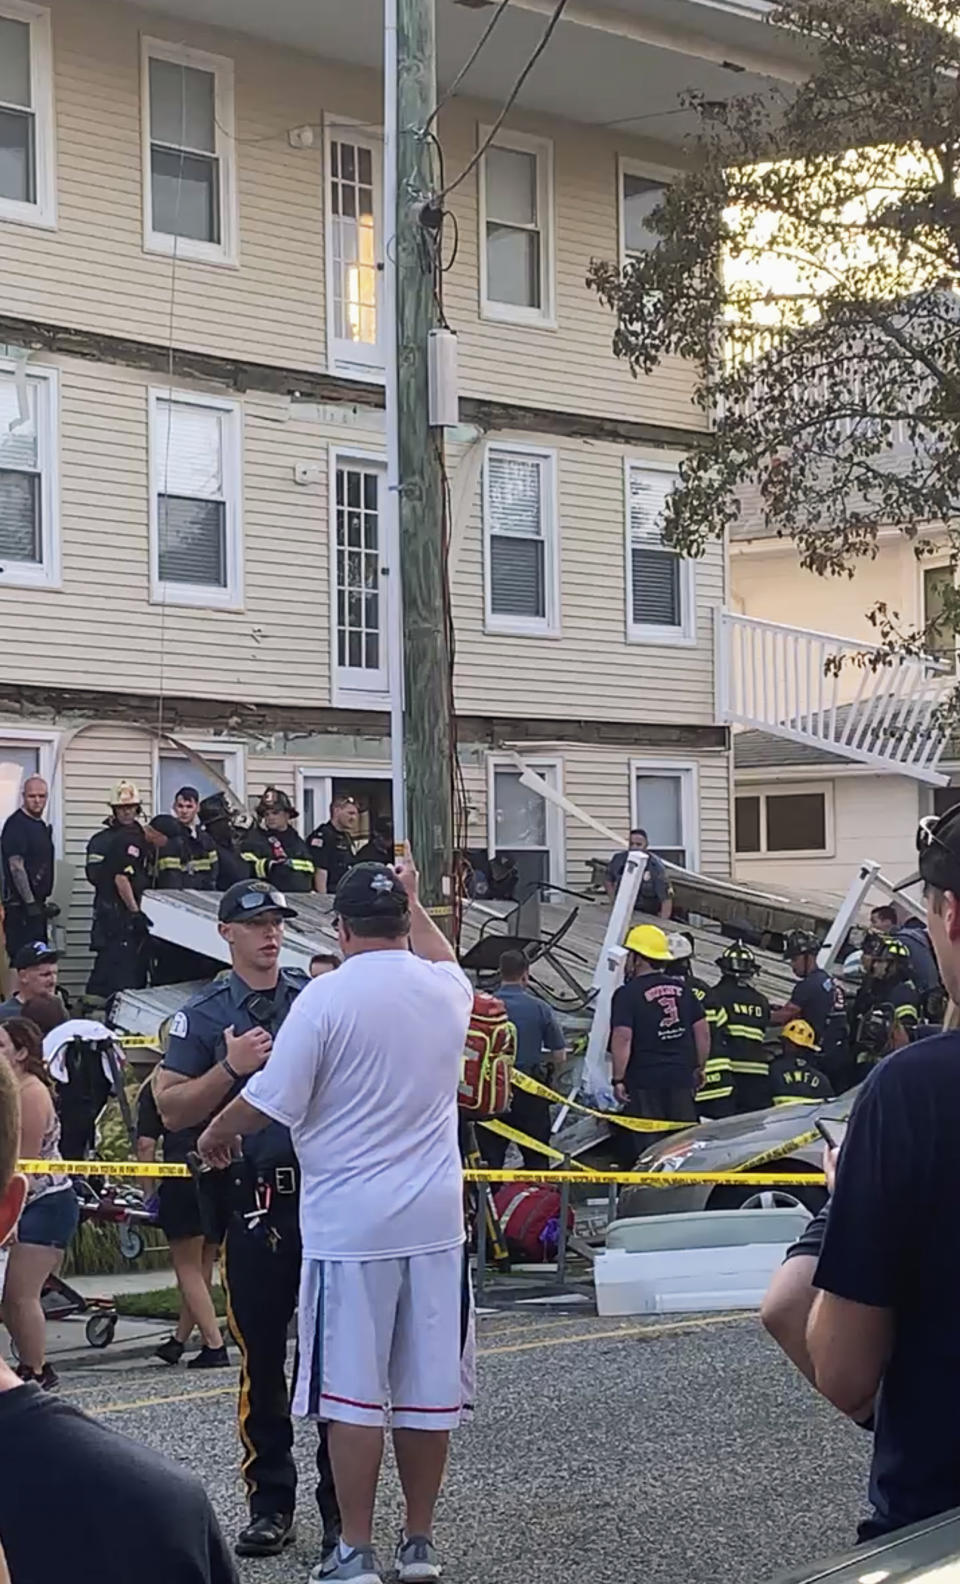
832	1129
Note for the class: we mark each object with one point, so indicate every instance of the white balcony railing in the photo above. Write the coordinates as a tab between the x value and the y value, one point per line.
821	690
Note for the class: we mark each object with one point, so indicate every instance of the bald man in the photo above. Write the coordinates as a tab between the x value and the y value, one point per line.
26	854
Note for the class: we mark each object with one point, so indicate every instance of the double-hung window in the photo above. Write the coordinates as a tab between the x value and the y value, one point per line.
359	593
664	803
27	192
195	508
189	181
639	195
354	248
520	540
29	532
517	234
660	582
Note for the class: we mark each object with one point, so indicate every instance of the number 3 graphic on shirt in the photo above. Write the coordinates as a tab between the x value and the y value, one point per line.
669	1013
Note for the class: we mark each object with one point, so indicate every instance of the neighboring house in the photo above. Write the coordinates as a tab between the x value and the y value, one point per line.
806	816
191	429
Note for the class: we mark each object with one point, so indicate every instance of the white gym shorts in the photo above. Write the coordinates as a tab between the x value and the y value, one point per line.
387	1341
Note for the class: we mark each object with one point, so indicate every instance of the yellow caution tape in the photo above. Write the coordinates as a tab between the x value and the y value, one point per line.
96	1168
653	1179
778	1152
523	1139
635	1124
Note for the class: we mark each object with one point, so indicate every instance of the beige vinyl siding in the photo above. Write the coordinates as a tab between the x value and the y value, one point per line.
102	631
590	668
93	273
874	820
598	781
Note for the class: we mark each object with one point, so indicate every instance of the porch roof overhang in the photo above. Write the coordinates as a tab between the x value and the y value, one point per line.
612	63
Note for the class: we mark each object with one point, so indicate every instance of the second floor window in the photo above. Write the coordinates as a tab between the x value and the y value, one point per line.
26	115
188	154
360	651
354	264
29	549
639	196
516	212
520	534
195	508
660	586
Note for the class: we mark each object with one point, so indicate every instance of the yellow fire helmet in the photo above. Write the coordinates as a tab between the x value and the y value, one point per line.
649	941
800	1032
126	794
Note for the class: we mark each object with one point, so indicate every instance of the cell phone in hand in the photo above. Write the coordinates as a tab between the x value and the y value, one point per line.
832	1129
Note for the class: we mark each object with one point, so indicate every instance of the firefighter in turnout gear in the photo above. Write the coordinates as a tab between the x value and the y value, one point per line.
793	1077
274	850
118	862
886	1012
715	1096
741	1015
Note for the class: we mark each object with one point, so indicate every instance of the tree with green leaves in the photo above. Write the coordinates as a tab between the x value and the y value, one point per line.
808	263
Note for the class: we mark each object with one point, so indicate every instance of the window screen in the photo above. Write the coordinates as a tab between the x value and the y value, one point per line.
20	509
656	598
796	822
515	525
191	506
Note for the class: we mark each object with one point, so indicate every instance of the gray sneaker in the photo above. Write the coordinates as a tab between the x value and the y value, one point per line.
359	1566
417	1561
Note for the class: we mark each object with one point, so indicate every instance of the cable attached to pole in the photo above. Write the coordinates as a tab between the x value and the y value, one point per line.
467	65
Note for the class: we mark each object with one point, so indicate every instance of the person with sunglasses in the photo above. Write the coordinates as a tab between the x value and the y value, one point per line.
216	1042
884	1327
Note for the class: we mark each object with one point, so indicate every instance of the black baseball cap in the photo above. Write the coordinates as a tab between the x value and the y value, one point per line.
248	898
370	890
35	953
938	845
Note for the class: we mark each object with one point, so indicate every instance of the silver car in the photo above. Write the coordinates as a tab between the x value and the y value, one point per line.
781	1139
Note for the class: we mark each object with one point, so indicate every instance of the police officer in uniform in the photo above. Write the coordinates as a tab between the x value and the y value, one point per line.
217	823
217	1040
332	844
277	852
793	1077
118	867
740	1018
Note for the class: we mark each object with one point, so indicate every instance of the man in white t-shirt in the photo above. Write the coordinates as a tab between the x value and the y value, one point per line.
364	1072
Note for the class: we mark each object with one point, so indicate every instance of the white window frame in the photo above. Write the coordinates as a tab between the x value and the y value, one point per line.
50	766
684	634
47	575
224	252
556	835
632	167
347	688
351	358
548	625
189	594
231	750
544	317
763	790
43	211
689	773
324	775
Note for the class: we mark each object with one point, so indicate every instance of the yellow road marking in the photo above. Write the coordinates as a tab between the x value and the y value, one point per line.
616	1334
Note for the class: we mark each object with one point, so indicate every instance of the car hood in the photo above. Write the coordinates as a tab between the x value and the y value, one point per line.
738	1142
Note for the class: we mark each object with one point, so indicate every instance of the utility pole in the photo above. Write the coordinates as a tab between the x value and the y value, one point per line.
427	723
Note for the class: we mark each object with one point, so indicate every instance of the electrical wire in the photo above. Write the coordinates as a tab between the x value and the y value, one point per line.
501	8
548	32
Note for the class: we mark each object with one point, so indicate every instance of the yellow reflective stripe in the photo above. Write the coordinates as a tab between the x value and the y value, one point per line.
302	863
204	863
259	864
94	857
750	1069
745	1031
908	1011
791	1099
168	863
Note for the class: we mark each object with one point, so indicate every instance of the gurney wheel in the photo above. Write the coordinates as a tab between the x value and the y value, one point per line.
99	1330
131	1242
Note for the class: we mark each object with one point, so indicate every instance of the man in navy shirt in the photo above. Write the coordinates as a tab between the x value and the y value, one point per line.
540	1048
885	1326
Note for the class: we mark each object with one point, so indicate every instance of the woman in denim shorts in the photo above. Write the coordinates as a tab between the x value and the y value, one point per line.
51	1212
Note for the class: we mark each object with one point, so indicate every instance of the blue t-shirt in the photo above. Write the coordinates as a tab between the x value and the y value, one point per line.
537	1028
891	1242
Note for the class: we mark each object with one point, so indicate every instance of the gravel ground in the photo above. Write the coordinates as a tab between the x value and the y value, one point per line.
674	1451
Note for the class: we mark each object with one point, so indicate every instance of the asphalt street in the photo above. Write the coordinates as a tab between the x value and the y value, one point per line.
668	1451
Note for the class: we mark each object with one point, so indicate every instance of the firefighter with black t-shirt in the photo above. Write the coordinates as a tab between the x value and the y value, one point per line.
276	852
793	1076
740	1017
886	1012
